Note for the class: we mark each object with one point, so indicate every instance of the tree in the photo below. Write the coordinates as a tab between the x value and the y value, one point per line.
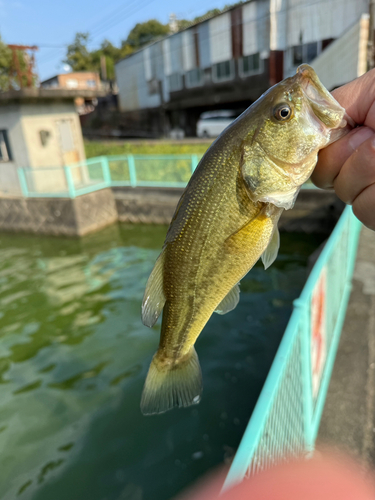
5	65
144	33
9	78
78	55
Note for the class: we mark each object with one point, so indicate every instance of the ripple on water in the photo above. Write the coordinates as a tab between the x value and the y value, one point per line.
74	354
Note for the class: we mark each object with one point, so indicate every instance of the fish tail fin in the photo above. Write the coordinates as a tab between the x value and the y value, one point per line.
172	384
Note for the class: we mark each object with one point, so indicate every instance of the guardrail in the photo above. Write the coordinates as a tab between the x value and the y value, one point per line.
286	418
108	171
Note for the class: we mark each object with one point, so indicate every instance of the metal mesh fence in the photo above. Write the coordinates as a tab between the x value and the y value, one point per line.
286	418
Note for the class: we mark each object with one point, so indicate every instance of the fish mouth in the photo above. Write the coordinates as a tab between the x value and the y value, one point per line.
323	104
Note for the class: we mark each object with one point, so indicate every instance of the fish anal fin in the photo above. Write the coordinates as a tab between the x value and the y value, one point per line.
269	255
154	298
230	301
169	385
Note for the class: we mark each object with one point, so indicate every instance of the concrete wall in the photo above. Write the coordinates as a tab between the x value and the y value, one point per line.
58	216
10	120
45	116
315	211
345	59
24	122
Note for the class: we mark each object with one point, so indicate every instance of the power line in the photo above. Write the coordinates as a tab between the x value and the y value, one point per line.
108	19
127	14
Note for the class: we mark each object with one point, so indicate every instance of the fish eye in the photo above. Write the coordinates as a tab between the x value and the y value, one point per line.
282	113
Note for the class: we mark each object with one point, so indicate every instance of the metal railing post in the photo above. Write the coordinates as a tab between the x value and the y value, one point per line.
23	182
106	171
70	182
304	332
194	162
132	171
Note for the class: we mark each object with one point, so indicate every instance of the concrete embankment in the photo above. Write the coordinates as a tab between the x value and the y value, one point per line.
348	421
315	211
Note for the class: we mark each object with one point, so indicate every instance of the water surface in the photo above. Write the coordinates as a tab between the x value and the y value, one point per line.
74	355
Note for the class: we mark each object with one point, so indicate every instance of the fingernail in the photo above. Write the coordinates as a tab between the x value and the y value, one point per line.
359	137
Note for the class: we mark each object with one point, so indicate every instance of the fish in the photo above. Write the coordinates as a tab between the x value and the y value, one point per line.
226	220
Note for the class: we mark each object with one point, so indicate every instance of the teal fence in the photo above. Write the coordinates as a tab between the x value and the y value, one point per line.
286	418
108	171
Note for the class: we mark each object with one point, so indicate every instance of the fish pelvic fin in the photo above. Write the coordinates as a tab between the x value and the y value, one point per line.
154	298
170	384
230	301
270	253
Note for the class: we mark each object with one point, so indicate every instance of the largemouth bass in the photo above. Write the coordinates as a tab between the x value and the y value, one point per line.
226	220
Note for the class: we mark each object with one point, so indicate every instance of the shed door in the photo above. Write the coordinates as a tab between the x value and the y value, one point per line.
68	147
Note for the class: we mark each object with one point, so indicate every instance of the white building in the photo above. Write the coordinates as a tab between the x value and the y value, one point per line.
229	60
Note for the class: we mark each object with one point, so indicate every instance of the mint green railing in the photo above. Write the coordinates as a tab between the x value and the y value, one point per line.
108	171
286	418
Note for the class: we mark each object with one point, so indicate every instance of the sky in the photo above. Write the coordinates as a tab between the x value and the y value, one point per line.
52	24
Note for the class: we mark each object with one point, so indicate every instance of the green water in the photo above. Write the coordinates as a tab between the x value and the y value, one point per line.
74	355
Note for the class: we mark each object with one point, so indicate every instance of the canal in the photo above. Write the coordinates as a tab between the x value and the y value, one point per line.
74	355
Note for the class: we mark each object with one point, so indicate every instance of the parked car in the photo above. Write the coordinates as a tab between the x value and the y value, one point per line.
212	123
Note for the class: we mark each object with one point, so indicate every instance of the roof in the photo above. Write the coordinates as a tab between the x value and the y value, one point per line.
42	94
70	73
236	5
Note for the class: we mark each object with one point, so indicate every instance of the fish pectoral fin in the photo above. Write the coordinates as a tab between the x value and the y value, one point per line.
154	298
270	253
253	235
230	301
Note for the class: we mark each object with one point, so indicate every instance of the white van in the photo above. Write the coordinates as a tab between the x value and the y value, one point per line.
212	123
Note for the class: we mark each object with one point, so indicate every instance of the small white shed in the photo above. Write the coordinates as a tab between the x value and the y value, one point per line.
39	129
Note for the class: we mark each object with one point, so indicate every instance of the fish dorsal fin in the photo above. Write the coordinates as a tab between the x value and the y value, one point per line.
230	301
154	298
270	253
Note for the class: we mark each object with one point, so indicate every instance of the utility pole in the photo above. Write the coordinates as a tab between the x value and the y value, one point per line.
370	41
103	67
29	61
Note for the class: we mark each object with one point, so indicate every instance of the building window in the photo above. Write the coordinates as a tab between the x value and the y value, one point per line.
222	71
305	53
311	50
91	83
297	55
175	82
153	86
71	83
251	65
4	147
194	77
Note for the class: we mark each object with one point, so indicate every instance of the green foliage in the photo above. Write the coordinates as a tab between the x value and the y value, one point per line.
184	23
106	148
81	59
8	77
5	64
78	55
143	33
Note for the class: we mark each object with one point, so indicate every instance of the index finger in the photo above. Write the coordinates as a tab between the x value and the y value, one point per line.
358	98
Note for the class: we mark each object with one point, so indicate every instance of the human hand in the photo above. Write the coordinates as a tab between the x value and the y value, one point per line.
324	477
348	165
